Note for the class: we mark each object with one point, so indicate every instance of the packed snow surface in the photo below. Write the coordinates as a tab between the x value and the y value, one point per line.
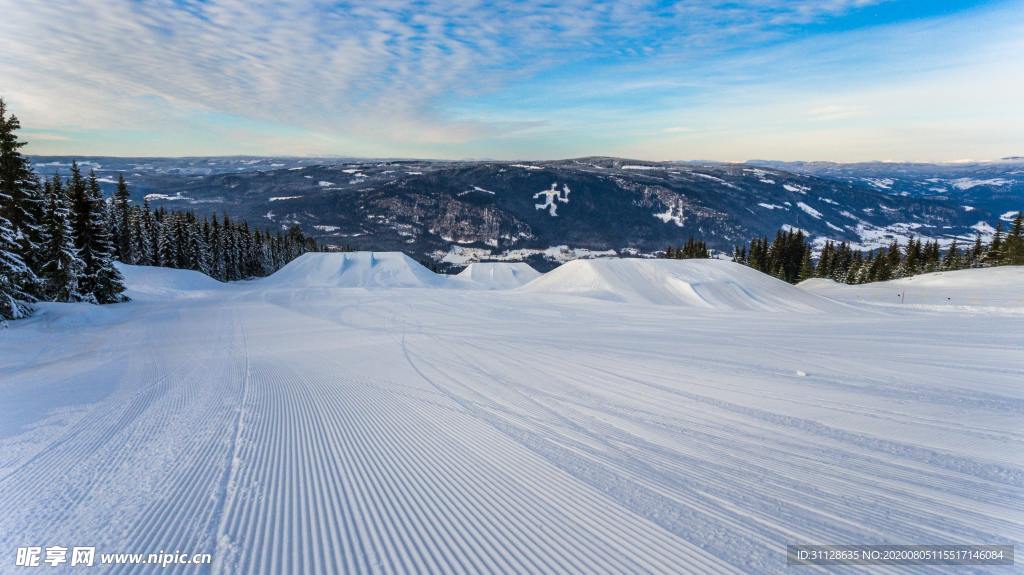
999	289
497	275
295	424
707	284
354	269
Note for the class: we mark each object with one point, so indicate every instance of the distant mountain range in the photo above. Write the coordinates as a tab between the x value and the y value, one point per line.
461	211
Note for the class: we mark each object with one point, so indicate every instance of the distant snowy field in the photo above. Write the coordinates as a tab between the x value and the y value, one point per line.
357	413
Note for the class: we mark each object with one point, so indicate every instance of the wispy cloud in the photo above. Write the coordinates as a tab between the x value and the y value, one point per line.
429	77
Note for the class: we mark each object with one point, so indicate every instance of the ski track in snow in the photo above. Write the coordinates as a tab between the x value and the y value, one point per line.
320	430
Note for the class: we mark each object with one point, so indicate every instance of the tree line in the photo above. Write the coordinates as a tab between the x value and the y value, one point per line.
789	256
692	249
59	237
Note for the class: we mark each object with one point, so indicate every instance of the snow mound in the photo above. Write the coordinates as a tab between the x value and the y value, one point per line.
496	275
148	282
708	284
354	270
975	290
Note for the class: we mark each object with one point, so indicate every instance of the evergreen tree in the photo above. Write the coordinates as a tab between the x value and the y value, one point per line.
62	268
1015	243
167	253
994	254
15	303
21	206
807	270
124	247
103	280
977	252
151	227
952	259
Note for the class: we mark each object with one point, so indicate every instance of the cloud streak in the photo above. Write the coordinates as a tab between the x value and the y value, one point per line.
389	77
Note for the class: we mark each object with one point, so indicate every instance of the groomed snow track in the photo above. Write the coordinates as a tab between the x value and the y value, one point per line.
317	429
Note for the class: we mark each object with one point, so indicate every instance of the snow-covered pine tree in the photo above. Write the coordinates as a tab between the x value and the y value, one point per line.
994	254
106	283
150	237
1015	242
21	205
806	266
167	253
124	247
15	303
198	252
977	252
216	250
62	268
951	261
231	251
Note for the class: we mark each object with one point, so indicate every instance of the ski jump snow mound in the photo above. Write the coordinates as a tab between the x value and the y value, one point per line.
144	282
497	275
354	270
707	284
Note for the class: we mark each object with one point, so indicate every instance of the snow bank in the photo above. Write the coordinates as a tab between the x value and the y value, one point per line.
496	275
148	282
709	284
998	289
353	270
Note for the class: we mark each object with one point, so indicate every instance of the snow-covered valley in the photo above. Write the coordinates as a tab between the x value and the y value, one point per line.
357	413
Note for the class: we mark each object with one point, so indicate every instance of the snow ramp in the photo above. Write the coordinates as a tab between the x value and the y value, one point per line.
705	284
145	282
354	270
496	275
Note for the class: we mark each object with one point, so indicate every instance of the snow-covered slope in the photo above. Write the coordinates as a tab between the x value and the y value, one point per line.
287	427
354	269
155	282
708	284
994	289
496	275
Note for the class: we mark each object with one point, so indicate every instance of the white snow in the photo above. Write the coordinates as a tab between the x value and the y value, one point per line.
354	269
809	210
1009	216
527	167
475	189
349	415
771	206
796	188
166	198
968	183
881	183
708	284
673	213
552	196
147	282
325	184
989	290
496	275
716	179
324	228
280	198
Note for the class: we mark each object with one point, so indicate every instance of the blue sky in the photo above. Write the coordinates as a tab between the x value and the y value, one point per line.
843	80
